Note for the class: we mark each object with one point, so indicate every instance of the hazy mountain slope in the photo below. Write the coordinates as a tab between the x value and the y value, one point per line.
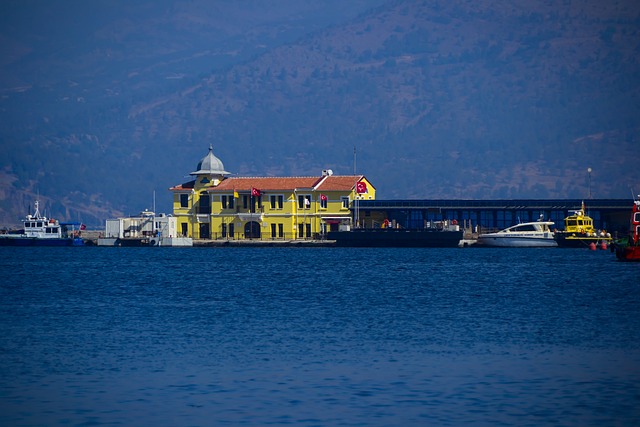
442	99
71	70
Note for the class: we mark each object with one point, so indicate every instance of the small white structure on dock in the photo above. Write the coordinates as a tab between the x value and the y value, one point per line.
147	229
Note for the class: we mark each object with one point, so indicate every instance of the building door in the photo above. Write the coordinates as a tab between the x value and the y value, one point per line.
252	230
204	231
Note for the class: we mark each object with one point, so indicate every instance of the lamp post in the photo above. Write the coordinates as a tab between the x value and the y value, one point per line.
589	174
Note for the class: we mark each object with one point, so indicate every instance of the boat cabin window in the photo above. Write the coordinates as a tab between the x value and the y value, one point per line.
528	227
636	217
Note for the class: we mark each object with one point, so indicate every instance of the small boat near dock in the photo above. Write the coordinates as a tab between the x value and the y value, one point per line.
524	235
628	248
38	230
579	232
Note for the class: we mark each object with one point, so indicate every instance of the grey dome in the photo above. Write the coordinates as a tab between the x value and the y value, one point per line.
210	165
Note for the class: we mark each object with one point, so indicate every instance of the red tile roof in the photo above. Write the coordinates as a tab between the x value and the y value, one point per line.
322	183
265	183
339	183
186	186
325	183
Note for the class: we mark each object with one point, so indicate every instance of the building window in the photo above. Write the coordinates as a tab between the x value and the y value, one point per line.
231	230
204	203
504	219
323	201
224	228
255	201
521	216
345	202
277	201
558	218
273	231
227	201
184	200
249	202
304	201
185	229
280	230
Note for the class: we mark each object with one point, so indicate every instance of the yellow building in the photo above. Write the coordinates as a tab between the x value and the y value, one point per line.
216	206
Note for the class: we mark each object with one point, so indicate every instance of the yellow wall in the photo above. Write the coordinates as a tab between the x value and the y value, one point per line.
291	216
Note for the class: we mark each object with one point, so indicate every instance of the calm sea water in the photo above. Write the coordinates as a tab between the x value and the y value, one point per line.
318	337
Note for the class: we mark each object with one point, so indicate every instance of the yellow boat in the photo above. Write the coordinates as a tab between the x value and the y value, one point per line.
579	232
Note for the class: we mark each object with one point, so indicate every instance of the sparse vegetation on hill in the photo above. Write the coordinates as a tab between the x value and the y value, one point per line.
441	99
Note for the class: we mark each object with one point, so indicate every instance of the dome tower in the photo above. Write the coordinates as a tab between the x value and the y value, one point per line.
210	168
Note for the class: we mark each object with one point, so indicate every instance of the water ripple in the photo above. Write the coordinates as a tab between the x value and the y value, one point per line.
318	336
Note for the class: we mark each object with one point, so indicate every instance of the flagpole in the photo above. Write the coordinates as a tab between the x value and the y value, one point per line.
354	159
357	203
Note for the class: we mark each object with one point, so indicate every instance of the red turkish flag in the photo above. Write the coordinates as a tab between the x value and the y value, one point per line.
255	192
323	197
361	187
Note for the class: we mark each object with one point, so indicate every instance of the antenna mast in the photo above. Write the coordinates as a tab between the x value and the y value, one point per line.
354	159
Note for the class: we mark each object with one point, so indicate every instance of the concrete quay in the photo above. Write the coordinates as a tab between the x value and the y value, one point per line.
263	243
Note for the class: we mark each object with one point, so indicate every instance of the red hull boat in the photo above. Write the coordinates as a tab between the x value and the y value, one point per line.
629	249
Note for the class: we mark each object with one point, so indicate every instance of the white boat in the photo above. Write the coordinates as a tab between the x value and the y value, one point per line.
38	230
524	235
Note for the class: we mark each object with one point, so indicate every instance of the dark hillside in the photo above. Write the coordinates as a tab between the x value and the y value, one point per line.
445	100
442	99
